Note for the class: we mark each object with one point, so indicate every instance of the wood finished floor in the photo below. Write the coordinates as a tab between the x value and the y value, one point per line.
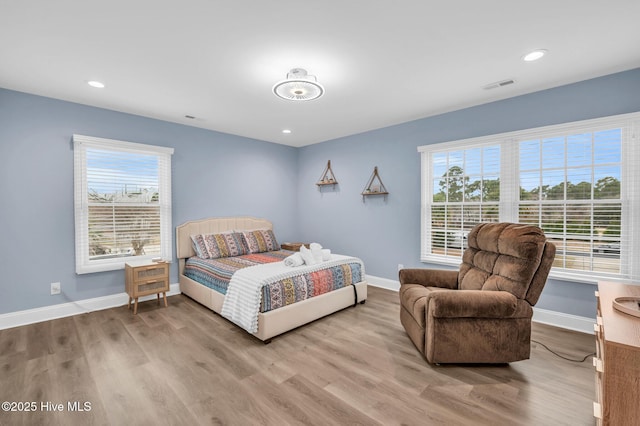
186	365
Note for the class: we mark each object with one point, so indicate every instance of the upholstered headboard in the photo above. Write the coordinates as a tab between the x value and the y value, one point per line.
184	246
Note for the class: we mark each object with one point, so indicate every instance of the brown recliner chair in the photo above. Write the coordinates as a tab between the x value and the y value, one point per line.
482	312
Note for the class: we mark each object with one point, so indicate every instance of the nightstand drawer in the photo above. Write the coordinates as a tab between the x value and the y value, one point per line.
150	287
151	272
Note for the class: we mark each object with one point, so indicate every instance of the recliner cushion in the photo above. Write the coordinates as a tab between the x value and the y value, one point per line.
502	257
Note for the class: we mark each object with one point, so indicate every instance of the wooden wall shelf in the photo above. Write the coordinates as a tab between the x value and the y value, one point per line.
374	185
327	177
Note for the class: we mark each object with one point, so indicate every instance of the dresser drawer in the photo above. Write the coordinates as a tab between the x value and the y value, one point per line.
598	332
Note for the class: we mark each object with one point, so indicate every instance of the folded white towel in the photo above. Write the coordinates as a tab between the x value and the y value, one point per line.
316	252
326	255
294	260
307	256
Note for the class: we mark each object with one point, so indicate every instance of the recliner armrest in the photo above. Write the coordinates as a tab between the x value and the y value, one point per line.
472	304
442	278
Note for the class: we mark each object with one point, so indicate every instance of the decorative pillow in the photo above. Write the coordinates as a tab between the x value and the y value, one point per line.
199	247
260	240
214	246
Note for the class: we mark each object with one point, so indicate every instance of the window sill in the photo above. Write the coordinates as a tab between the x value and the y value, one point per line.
592	278
103	266
555	274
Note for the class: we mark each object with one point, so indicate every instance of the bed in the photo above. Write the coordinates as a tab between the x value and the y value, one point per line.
271	322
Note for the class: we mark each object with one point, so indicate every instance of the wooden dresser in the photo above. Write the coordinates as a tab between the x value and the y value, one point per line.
617	360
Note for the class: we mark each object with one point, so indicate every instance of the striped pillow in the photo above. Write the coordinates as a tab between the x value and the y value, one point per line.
260	240
214	246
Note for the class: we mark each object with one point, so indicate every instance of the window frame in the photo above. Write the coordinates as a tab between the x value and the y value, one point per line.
510	188
81	143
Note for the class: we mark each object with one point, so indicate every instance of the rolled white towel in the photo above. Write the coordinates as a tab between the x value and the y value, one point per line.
316	251
294	260
326	255
307	256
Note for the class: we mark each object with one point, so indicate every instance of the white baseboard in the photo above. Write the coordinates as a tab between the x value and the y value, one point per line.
562	320
543	316
383	283
30	316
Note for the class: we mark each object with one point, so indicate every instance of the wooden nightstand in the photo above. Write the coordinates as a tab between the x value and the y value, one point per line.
293	246
146	277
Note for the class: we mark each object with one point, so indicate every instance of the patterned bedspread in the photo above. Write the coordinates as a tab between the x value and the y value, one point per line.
216	274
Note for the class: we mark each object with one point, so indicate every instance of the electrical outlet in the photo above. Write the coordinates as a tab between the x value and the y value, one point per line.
400	266
55	288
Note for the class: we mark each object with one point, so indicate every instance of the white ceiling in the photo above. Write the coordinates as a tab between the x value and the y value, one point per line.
382	62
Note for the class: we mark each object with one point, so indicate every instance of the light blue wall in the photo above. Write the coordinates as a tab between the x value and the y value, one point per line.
385	233
214	174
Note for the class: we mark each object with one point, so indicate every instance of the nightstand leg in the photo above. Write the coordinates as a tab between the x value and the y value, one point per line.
158	298
129	305
135	307
164	295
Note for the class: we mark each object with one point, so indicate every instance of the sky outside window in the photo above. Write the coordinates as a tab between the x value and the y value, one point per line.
110	172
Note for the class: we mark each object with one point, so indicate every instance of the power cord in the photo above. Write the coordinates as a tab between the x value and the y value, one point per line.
563	357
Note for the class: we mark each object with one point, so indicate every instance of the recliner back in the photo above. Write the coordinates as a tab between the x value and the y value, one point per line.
506	256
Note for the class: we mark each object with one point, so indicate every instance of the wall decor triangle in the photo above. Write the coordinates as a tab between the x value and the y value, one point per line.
374	185
327	177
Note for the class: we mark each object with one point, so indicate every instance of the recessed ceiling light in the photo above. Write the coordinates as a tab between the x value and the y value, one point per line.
286	131
94	83
534	56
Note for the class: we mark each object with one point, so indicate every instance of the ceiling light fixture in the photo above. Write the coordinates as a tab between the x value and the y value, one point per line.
534	56
97	84
286	131
299	86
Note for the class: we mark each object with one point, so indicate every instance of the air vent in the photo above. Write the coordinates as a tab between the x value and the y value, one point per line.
499	84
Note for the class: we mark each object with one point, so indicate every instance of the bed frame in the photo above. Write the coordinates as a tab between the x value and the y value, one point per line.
270	323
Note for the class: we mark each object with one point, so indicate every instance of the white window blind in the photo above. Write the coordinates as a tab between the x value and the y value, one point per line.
579	182
122	202
464	190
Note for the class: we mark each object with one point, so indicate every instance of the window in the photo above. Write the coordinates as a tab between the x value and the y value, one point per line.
579	182
122	194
